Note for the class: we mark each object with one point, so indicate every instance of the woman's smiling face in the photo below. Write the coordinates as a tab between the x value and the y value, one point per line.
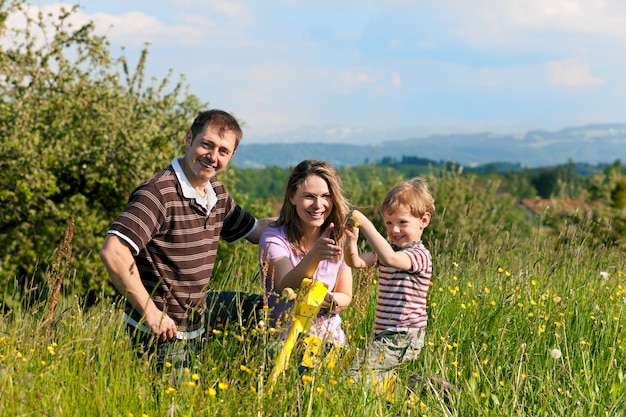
313	201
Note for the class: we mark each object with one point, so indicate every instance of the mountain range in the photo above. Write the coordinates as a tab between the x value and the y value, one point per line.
593	144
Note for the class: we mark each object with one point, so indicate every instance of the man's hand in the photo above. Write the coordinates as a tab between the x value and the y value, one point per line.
161	325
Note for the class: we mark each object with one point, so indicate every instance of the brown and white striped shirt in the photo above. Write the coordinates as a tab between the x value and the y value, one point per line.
174	235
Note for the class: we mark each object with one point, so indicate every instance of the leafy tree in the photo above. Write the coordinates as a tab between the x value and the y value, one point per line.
545	182
600	186
79	131
470	217
618	195
518	184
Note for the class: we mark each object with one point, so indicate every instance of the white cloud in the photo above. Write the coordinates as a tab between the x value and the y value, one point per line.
572	72
136	28
517	22
396	79
238	10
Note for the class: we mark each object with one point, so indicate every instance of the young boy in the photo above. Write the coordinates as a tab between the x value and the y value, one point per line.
404	272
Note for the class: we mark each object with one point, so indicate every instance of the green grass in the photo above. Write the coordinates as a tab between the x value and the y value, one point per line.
499	307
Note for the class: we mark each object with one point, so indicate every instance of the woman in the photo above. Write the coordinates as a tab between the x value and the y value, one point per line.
306	242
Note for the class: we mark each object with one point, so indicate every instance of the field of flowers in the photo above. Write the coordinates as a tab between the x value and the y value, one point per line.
519	325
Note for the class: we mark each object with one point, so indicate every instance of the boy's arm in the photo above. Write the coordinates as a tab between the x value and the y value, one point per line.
379	244
351	254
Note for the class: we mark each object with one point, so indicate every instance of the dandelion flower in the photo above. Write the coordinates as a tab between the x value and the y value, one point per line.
223	386
556	354
211	391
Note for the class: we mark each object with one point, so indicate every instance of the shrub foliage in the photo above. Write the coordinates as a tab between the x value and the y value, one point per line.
79	130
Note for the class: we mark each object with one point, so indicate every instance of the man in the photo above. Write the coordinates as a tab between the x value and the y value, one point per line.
161	250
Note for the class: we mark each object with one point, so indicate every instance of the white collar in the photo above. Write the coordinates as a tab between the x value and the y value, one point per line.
207	202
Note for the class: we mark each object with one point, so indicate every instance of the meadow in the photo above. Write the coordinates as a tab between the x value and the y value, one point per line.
526	313
522	324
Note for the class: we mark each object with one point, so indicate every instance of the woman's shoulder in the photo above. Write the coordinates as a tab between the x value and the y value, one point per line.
273	231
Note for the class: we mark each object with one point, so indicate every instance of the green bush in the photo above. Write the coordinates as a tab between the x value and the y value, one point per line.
618	195
79	131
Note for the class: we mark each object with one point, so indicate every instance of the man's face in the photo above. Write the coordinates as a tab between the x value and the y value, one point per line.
208	154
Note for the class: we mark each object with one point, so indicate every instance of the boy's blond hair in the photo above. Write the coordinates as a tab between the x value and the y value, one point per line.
412	194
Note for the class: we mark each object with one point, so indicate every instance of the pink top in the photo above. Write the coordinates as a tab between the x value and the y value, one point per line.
273	245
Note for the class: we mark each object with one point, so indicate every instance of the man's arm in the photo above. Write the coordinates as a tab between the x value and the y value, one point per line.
261	225
124	274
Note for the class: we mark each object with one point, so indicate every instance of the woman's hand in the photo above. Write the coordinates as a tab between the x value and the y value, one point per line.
325	247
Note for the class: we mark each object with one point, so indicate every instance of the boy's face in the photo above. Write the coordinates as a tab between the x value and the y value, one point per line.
403	228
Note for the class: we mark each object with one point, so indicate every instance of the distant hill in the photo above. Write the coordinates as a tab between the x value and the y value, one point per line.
593	144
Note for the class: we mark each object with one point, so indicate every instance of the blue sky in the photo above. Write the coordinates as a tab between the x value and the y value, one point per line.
411	66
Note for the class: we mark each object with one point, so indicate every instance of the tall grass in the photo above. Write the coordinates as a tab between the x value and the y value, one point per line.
521	325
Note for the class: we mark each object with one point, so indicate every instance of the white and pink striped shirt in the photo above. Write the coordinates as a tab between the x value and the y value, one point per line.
401	304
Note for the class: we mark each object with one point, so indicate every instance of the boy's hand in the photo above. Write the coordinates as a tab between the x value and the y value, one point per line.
352	234
353	219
